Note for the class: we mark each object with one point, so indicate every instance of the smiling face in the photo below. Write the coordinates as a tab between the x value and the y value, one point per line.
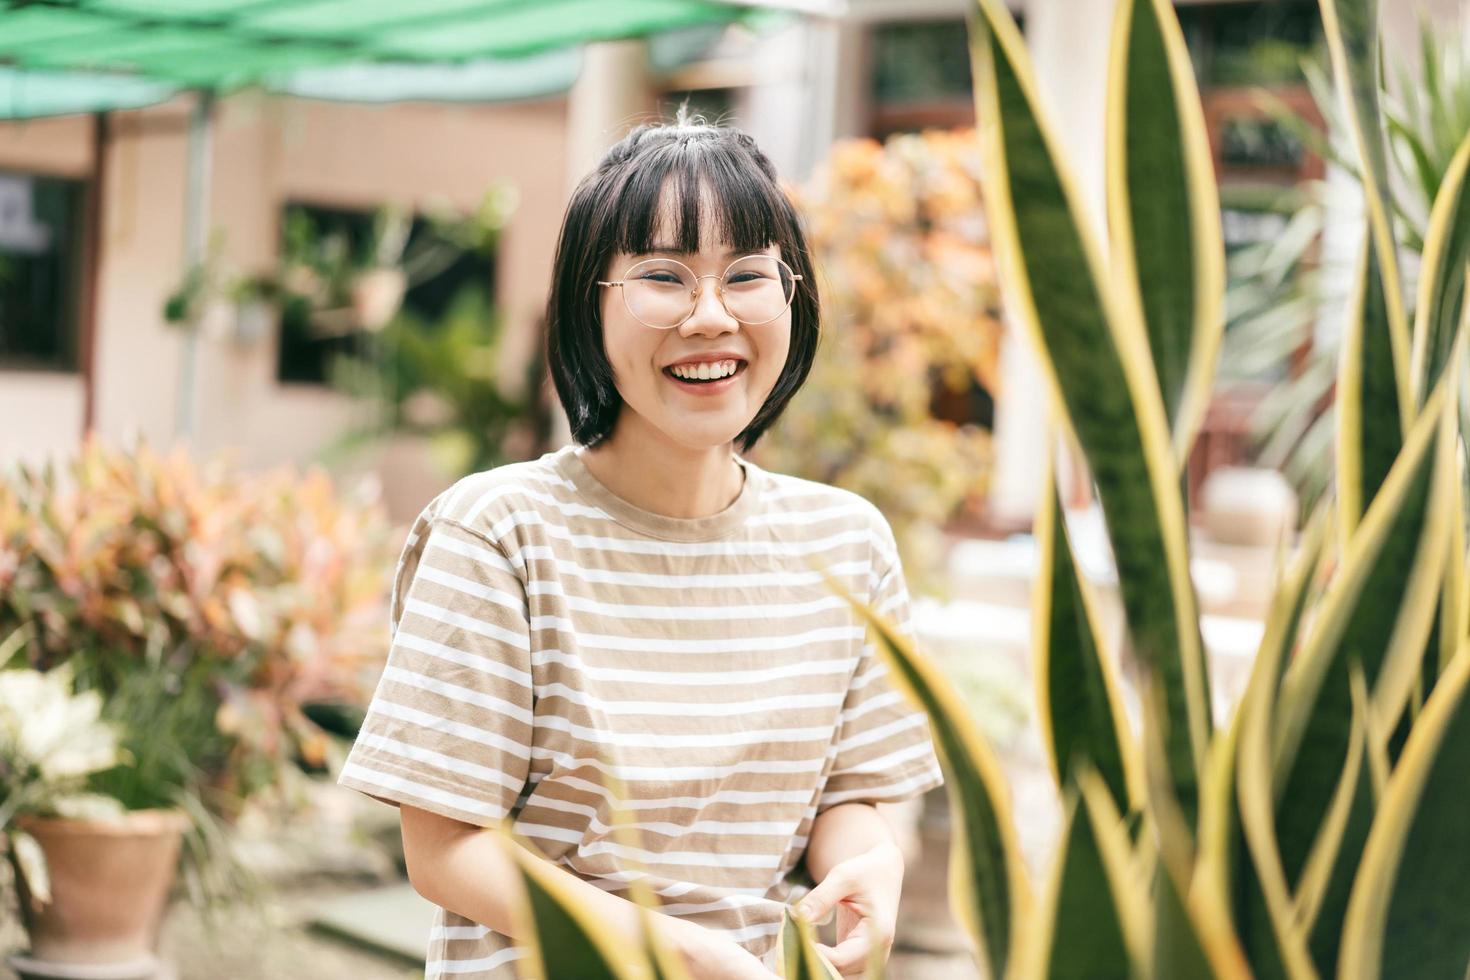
657	406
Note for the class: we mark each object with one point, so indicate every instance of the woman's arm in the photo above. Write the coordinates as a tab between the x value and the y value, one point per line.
458	866
858	866
843	831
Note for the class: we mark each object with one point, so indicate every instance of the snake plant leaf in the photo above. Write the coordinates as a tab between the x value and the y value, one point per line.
1164	209
562	937
1274	943
988	888
798	955
1403	663
1370	410
1328	873
1216	858
1451	624
1081	712
1409	914
1380	601
1094	351
1442	281
1177	948
1094	924
1350	28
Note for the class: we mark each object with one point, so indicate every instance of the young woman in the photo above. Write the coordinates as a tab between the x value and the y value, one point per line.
640	603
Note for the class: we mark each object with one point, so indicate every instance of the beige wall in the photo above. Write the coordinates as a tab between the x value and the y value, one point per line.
265	151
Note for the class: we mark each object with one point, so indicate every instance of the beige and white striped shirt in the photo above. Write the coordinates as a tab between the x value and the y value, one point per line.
542	623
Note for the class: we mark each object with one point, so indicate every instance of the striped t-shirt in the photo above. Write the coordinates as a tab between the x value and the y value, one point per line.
544	628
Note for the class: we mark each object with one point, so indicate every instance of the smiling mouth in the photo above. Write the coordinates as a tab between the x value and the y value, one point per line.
739	369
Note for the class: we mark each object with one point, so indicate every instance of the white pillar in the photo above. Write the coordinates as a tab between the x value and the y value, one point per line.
611	96
1069	46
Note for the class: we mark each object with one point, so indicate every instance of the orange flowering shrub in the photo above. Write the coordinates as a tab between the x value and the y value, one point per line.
250	594
910	307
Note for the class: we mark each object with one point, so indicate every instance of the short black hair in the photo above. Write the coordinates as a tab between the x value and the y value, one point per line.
615	209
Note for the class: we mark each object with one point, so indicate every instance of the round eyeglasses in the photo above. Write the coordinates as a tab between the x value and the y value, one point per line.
662	293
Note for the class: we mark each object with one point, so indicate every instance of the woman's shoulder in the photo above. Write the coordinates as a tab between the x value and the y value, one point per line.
827	502
482	500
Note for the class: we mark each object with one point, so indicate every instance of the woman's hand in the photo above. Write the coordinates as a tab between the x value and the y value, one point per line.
864	889
708	955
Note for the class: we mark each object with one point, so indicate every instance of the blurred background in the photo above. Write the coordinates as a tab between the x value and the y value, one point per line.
272	275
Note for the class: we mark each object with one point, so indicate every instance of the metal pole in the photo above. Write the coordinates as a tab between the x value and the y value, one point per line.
196	233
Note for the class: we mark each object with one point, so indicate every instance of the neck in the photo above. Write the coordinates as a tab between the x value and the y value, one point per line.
667	479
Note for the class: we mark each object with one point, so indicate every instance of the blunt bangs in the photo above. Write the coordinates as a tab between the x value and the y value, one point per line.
747	203
699	173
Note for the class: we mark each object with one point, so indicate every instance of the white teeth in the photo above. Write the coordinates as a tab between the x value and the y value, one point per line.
706	371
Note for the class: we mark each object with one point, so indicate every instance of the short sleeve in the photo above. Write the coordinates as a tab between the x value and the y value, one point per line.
449	727
884	750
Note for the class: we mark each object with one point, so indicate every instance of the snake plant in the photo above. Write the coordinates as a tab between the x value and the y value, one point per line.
1320	831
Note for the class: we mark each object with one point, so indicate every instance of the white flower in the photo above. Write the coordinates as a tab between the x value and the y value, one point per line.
43	725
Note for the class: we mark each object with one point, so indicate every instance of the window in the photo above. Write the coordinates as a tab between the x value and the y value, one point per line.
1238	48
40	271
1250	43
921	77
305	351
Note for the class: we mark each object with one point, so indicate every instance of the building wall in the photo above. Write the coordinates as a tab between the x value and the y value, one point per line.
264	152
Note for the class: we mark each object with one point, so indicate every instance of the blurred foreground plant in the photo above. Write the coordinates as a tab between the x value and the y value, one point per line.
1321	831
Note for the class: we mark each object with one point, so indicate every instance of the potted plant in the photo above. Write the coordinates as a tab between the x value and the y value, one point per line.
91	877
204	610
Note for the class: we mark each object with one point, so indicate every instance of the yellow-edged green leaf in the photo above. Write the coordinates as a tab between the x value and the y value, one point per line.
1450	623
1274	943
988	890
1164	209
1215	864
561	938
1403	661
1093	924
1095	353
1375	603
1409	914
1442	274
1370	411
798	954
1350	28
1321	896
1177	948
1081	713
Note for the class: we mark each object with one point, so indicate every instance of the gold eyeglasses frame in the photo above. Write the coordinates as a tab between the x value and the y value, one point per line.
698	286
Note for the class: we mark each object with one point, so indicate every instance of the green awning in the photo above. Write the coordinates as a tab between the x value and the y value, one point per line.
59	56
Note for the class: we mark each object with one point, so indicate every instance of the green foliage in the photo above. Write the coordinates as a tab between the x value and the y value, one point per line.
441	380
1285	849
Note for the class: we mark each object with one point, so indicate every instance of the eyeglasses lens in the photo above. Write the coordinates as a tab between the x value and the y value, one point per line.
755	289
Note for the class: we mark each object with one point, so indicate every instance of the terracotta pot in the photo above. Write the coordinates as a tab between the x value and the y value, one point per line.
110	881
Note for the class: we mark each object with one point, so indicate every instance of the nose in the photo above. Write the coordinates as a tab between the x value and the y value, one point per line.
710	315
